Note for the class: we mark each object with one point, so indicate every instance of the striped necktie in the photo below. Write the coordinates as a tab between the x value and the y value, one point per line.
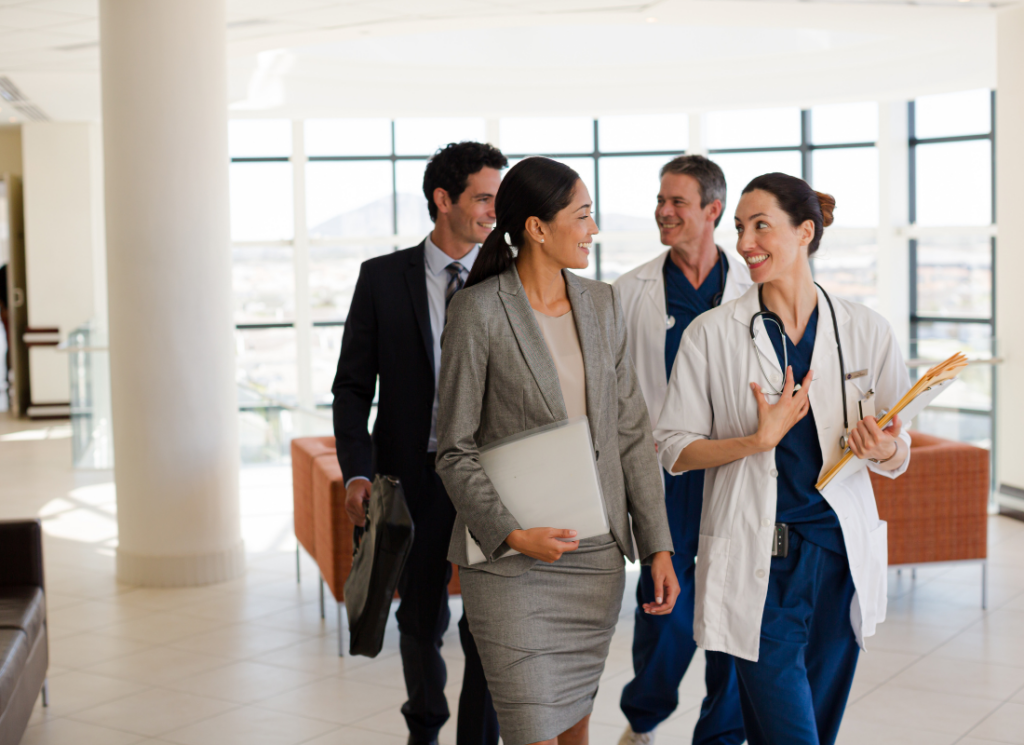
455	283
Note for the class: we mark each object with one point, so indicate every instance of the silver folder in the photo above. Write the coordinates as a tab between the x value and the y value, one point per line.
547	478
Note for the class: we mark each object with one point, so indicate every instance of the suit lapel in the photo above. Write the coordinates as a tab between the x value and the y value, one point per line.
531	341
589	332
416	278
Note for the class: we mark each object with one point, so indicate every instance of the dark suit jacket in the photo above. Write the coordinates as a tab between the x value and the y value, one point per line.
387	337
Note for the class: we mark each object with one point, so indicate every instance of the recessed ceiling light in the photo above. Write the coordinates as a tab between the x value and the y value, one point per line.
12	120
652	19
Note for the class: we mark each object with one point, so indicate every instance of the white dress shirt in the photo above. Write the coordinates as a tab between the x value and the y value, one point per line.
436	263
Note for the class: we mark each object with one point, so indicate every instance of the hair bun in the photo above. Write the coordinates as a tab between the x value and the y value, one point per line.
828	206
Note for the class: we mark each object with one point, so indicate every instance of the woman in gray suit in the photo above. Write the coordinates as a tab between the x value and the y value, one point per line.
528	343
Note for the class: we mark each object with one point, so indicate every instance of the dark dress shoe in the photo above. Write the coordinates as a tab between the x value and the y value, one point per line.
414	741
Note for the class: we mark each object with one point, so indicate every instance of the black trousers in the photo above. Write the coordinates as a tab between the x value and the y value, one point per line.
423	618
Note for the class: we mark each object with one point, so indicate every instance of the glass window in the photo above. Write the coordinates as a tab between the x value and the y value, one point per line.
935	341
264	435
348	137
262	203
844	122
624	134
954	183
951	114
629	192
266	365
349	198
413	216
954	276
959	426
326	350
847	267
333	271
754	128
740	169
425	136
538	135
620	255
259	138
851	176
263	279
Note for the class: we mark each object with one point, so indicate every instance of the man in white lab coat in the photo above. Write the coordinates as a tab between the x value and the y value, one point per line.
660	299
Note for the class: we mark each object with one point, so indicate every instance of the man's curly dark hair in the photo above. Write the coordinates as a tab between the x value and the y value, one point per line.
452	165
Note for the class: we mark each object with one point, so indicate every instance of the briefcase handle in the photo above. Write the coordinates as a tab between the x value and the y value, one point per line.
357	532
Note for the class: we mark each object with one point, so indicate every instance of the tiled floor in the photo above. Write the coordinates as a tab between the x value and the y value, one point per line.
251	662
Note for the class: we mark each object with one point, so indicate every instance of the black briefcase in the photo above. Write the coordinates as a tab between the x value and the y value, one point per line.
381	549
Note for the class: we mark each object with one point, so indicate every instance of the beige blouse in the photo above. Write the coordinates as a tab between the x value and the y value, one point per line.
564	346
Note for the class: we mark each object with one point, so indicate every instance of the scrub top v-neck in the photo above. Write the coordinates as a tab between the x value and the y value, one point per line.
798	457
686	302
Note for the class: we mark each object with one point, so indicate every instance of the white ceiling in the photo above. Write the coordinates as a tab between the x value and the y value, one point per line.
302	58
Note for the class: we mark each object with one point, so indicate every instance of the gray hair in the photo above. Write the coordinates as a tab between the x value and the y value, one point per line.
708	175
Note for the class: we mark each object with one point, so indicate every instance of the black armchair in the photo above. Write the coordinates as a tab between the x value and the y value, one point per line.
24	654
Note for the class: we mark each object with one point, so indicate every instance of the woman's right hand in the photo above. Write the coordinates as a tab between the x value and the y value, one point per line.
546	544
775	420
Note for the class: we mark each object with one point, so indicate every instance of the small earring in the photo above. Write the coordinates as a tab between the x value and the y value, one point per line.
541	240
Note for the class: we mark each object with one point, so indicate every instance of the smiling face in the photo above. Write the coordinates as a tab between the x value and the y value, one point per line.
568	238
471	218
768	241
682	222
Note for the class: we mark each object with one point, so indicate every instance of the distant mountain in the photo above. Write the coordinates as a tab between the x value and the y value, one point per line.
377	218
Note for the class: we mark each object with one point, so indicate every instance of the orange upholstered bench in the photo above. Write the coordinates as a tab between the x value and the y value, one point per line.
938	510
304	451
322	526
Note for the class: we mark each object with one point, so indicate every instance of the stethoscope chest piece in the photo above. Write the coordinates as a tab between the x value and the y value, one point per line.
670	321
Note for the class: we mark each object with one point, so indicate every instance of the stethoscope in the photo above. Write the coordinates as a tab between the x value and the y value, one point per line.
670	320
767	315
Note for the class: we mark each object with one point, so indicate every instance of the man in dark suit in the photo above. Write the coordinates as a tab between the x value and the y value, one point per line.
393	335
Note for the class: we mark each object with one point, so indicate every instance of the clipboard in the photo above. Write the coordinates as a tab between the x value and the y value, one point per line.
909	412
546	477
932	384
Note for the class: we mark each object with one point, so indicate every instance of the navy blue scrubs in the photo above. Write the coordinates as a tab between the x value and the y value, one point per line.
663	645
797	690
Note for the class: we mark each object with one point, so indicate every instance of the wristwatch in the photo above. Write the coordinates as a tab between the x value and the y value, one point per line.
894	442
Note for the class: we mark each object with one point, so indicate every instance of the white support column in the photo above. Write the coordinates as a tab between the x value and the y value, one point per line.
169	283
492	130
893	262
697	144
1010	255
300	259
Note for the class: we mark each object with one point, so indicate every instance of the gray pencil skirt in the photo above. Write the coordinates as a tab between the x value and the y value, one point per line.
543	637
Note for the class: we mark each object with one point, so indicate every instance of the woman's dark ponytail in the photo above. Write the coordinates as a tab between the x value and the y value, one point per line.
495	257
533	187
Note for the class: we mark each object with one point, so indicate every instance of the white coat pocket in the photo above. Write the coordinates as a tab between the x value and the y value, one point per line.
879	545
710	573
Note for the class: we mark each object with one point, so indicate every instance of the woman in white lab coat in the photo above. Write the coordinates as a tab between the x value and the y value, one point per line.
757	399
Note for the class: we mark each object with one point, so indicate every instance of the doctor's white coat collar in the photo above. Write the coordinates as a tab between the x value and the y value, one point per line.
642	293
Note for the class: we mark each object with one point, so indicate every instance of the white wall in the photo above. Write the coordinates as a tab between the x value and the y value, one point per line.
63	238
1010	247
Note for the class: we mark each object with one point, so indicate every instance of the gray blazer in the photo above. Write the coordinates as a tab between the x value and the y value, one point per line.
497	379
